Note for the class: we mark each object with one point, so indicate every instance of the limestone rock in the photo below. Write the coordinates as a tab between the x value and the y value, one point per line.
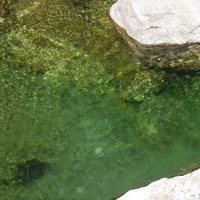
160	33
185	187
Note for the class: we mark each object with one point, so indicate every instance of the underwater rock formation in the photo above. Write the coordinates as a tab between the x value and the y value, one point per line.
179	187
161	34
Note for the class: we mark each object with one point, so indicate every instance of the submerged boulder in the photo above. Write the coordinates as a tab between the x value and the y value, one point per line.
180	187
165	34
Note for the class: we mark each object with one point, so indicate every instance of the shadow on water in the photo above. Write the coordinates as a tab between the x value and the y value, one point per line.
27	172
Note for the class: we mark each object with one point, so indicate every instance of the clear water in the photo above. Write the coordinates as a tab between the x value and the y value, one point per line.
101	123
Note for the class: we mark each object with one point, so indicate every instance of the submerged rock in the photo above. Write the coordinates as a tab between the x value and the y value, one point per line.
162	34
179	187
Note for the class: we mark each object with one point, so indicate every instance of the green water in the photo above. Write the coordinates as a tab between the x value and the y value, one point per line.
101	124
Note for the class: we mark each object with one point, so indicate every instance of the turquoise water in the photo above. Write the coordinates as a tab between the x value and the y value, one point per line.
91	122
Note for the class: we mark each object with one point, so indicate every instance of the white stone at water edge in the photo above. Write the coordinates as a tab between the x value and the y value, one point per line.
159	21
185	187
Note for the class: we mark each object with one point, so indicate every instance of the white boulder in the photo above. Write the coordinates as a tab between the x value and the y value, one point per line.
161	33
185	187
158	21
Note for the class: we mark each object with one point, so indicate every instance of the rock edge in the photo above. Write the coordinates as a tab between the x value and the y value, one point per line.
185	187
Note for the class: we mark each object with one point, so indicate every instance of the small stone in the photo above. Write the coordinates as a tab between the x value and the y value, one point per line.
99	151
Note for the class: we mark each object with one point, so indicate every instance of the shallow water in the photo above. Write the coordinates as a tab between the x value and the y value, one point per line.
99	123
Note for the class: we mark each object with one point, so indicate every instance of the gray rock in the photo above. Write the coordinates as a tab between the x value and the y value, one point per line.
160	33
185	187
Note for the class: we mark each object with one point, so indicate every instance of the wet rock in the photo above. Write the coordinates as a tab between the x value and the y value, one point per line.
162	34
54	39
179	187
136	87
39	34
6	6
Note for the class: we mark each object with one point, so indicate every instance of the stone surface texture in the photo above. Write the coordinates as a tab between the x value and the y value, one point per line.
185	187
156	22
164	34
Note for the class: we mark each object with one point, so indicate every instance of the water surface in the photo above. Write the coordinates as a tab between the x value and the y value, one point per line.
80	119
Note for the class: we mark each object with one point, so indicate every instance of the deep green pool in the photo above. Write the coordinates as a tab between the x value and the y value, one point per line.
84	122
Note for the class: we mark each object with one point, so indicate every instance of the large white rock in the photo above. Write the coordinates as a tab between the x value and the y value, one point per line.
185	187
159	21
161	33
